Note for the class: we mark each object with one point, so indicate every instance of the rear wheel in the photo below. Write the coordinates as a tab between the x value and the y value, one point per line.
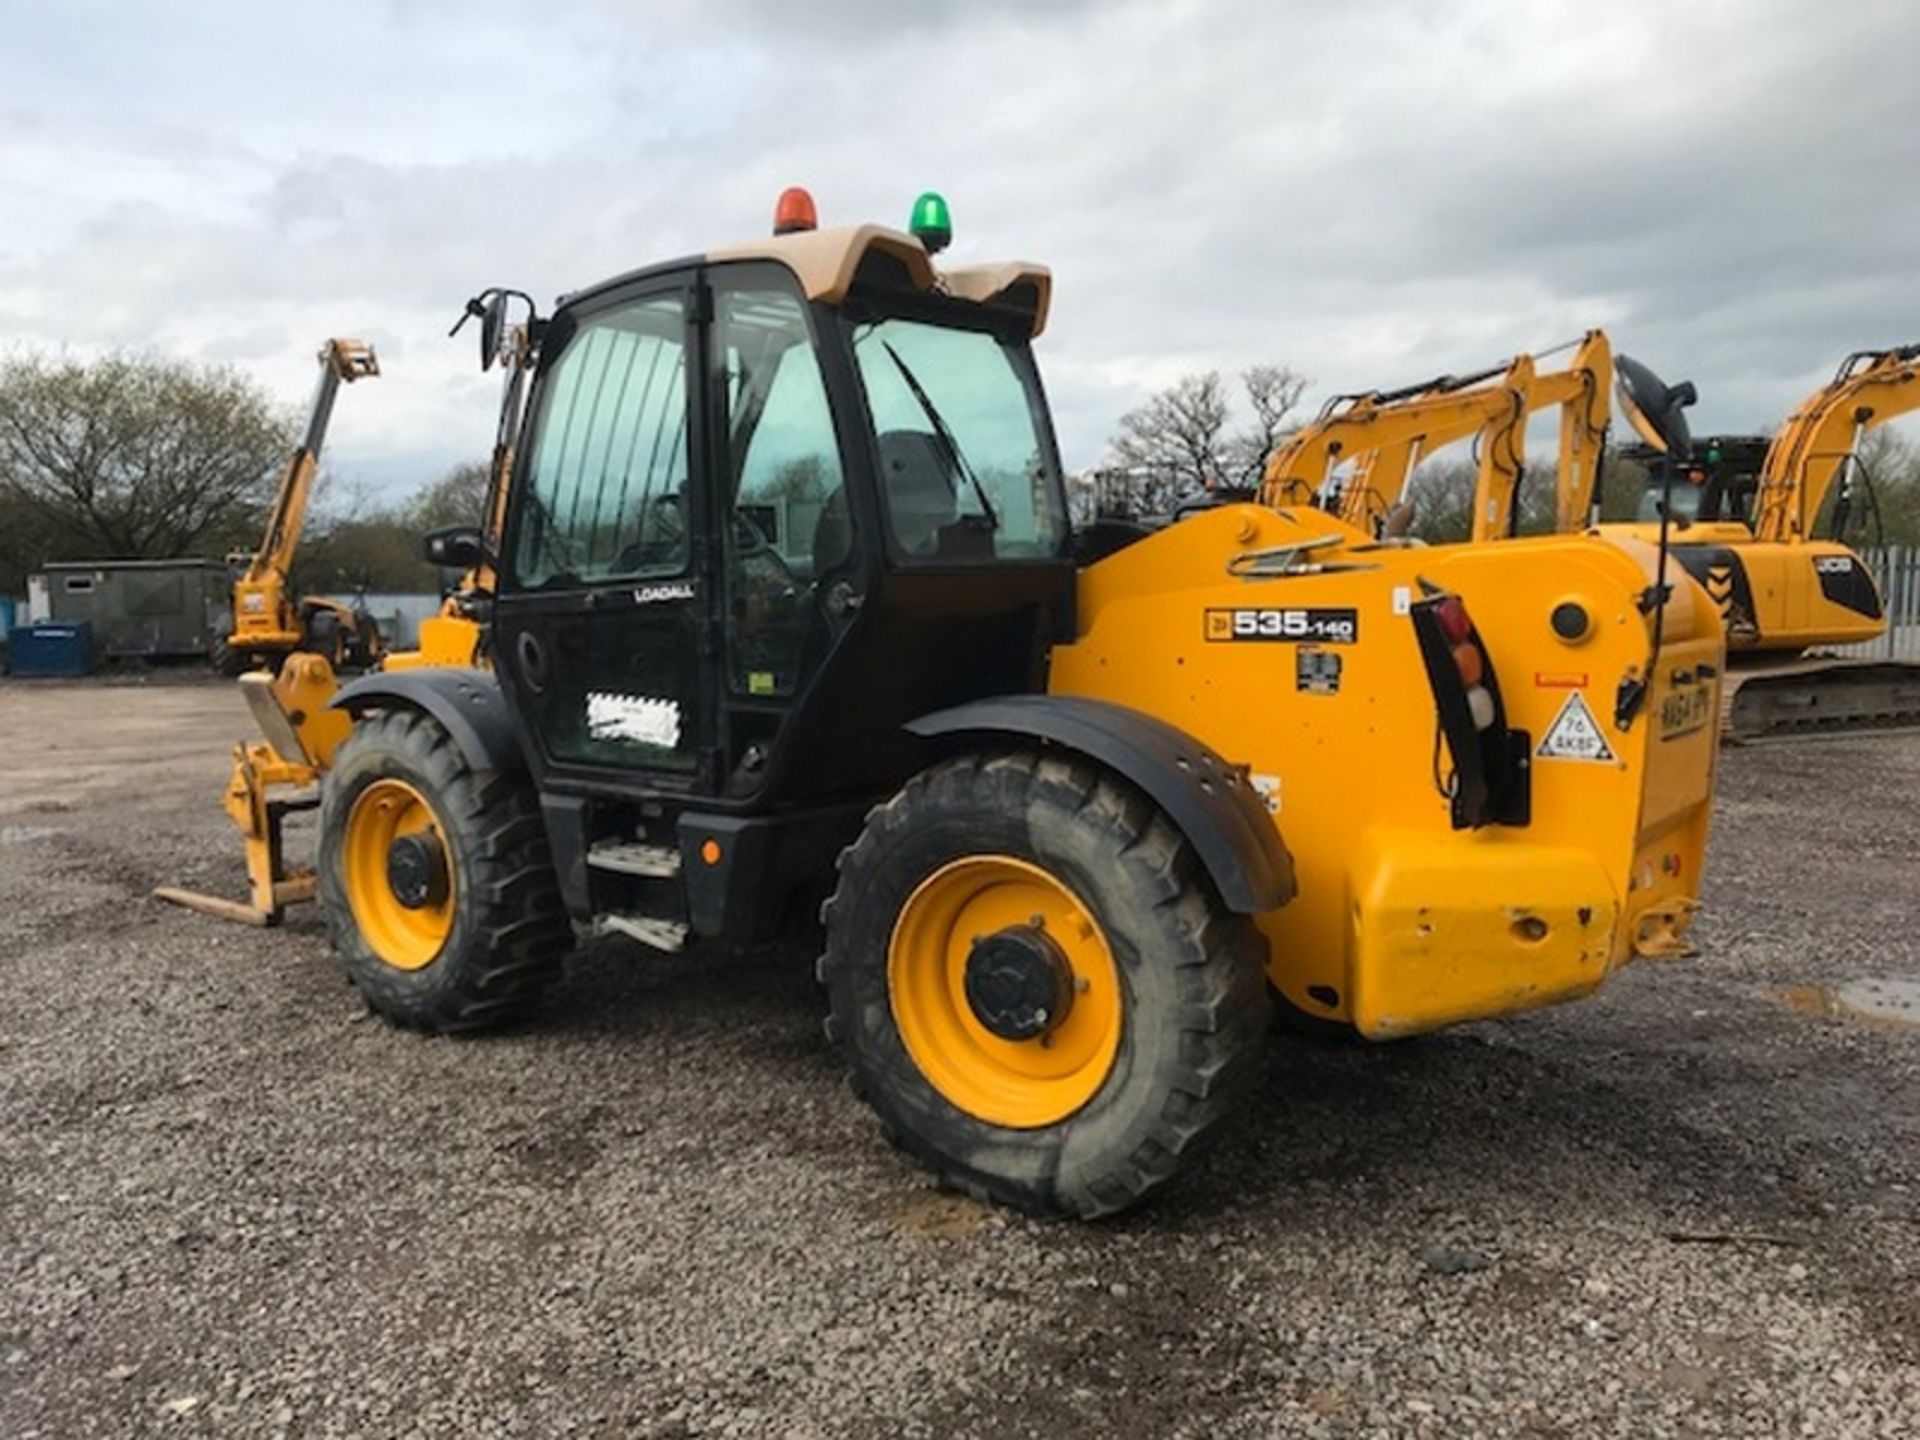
1035	985
225	659
324	637
438	890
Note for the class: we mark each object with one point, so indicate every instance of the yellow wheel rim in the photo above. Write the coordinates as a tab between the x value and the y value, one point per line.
403	937
1021	1084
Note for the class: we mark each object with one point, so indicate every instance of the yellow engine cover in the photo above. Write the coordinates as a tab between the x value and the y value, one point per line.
1312	679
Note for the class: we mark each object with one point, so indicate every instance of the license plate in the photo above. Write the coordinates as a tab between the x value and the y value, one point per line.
1685	710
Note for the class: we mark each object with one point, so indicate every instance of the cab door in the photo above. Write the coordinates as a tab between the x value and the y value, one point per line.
602	611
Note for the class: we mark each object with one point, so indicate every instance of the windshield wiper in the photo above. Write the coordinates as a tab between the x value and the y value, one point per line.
944	436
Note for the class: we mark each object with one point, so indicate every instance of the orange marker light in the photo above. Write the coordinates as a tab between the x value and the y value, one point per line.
1467	660
710	852
794	211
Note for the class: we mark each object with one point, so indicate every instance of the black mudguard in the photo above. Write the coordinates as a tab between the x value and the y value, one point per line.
467	703
1221	814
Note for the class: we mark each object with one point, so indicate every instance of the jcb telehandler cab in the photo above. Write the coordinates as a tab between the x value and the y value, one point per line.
788	608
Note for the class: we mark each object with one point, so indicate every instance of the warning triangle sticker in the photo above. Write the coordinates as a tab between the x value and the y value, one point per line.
1575	734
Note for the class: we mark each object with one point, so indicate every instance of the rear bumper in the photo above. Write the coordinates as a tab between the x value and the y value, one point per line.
1465	927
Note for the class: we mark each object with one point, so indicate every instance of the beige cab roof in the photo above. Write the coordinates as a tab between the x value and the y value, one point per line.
824	262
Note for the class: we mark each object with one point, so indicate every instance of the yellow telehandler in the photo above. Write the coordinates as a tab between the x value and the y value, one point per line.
788	613
269	623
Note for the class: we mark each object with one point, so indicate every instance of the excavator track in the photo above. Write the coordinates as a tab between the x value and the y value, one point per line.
1820	695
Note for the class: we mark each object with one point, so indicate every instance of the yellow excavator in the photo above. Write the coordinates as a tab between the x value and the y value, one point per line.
1782	588
787	606
1384	435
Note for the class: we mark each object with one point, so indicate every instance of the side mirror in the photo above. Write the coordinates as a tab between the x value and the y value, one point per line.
1654	408
493	326
457	547
489	307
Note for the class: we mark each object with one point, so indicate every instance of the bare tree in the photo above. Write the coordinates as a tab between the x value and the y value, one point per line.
1178	433
132	457
1272	393
1178	444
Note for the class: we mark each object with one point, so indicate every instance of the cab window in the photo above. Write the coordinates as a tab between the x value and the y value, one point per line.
966	467
607	477
788	529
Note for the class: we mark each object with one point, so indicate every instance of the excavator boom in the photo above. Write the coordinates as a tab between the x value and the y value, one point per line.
1871	388
1385	435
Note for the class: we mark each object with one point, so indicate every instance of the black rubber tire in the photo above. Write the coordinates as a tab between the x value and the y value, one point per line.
224	659
324	637
510	931
1195	1009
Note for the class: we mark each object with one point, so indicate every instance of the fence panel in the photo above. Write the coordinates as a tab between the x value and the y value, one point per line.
1897	568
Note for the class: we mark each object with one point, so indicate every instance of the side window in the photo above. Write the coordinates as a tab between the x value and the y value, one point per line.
607	477
788	530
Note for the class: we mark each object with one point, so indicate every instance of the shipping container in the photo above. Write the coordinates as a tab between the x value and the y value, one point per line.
149	609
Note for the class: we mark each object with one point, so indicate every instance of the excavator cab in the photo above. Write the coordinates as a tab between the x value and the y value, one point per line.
1777	564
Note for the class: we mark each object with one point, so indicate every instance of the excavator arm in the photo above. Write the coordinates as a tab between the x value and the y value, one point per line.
1446	414
1385	434
1871	388
1583	391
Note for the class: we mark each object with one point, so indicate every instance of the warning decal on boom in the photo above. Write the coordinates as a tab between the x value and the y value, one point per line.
1575	734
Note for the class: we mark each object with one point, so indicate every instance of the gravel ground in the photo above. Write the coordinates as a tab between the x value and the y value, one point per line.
232	1204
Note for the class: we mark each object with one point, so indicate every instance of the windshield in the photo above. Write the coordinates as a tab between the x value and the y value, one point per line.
966	469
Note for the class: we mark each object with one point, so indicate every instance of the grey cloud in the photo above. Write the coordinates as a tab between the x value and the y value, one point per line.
1369	193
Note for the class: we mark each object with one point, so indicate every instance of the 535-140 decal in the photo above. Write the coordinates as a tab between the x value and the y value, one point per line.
1313	624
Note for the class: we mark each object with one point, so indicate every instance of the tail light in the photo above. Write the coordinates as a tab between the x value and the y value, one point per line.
1489	784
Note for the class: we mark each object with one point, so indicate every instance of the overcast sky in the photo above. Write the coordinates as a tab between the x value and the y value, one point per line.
1371	193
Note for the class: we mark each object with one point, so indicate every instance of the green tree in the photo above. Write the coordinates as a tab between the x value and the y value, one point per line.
1889	479
1442	493
135	457
458	497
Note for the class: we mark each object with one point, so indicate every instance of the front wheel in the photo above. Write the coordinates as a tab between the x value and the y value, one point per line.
1035	985
438	890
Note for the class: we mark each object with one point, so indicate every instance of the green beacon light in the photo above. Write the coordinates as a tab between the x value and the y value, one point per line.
931	224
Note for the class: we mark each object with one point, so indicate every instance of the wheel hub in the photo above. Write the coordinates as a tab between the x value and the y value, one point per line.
417	870
1018	982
